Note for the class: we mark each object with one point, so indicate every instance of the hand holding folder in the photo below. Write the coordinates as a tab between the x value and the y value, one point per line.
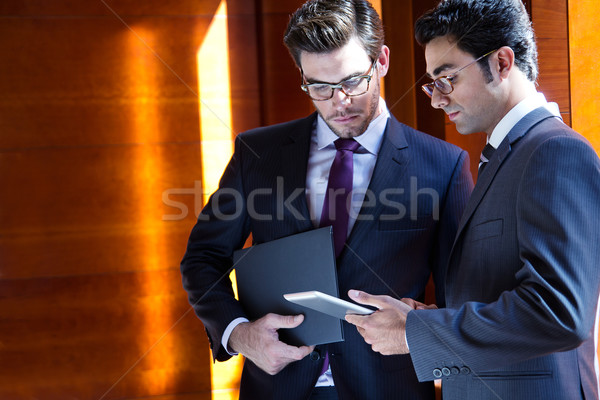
259	342
297	263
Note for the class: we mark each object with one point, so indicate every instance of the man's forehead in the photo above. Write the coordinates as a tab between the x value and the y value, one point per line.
333	69
345	60
441	55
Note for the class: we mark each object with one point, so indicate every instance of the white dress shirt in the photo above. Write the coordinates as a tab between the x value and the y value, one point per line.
511	118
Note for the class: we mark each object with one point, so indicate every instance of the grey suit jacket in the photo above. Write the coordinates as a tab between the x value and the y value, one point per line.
404	233
523	278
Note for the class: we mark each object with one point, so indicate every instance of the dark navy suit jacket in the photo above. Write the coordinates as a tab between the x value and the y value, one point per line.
404	233
523	279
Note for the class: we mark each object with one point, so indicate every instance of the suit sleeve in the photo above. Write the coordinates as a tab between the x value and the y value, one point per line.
221	228
553	306
455	200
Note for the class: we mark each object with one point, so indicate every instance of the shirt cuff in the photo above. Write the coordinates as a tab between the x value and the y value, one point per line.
227	333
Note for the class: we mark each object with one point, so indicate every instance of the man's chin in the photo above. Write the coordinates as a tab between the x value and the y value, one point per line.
464	130
346	132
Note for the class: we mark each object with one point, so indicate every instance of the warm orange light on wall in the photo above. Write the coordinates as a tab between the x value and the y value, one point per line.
216	147
215	101
143	70
584	43
584	70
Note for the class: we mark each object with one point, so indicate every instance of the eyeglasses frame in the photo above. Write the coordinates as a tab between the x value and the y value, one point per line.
339	85
449	78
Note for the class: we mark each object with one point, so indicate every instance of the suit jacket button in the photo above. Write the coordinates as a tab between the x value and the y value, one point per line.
446	371
315	356
454	371
465	370
437	373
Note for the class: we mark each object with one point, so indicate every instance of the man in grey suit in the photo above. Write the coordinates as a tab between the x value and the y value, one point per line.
408	192
523	278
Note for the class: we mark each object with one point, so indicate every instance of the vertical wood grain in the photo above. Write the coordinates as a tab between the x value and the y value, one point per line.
585	91
550	22
99	155
400	86
282	98
584	43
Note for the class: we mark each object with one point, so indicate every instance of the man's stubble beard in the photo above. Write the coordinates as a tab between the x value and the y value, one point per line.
354	132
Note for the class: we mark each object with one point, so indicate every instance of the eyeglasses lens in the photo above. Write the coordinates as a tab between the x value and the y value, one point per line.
442	84
351	87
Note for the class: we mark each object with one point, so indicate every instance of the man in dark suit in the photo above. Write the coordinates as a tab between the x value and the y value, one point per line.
408	192
523	279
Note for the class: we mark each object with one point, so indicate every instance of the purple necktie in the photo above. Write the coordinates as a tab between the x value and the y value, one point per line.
337	200
339	188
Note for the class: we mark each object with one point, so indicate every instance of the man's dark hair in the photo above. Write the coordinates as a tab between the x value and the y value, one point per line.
480	26
321	26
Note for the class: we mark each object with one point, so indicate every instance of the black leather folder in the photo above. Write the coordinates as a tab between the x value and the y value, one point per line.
297	263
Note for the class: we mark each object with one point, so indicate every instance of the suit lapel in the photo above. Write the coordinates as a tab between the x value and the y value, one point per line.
294	158
496	161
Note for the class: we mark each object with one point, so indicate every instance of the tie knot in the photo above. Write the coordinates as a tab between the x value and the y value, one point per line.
487	153
346	144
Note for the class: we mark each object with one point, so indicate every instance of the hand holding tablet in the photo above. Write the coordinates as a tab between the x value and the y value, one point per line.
326	304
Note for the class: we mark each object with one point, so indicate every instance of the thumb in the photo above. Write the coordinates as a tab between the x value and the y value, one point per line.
366	298
288	321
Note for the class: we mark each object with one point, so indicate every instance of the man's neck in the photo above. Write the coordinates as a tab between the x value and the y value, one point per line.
519	89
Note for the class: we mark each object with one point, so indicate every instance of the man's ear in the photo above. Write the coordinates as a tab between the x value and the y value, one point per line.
383	63
505	57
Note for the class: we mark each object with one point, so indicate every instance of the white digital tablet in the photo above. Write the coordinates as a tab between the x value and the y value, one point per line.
326	304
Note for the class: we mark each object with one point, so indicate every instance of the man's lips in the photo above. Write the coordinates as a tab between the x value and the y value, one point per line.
452	116
345	119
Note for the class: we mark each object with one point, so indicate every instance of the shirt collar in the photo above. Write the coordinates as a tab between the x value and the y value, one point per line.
524	107
370	140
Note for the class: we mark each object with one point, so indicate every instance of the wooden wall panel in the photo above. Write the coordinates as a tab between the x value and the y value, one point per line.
68	199
473	143
100	161
400	86
282	98
584	43
429	119
124	8
585	91
550	22
78	78
244	65
77	336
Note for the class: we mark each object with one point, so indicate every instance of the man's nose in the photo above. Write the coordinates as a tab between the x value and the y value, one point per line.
438	99
340	99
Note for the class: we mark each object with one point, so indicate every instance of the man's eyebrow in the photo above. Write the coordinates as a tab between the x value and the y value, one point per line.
354	75
441	69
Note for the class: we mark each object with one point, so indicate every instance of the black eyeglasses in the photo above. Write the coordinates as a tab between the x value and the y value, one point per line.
351	87
444	83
